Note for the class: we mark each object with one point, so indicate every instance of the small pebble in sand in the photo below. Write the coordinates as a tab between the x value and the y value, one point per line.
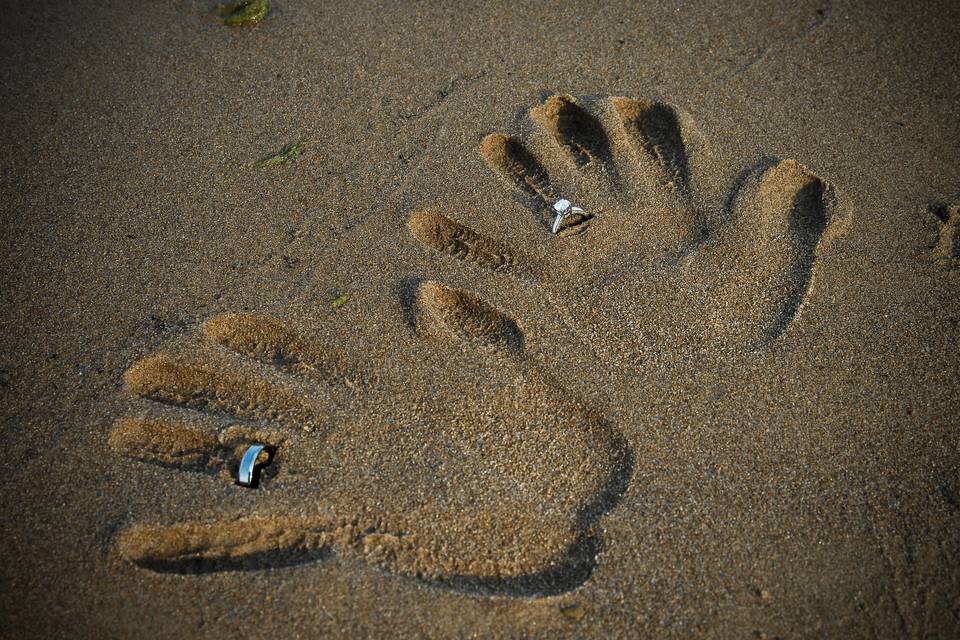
574	611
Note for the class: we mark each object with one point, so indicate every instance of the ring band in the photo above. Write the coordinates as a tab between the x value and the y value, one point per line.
564	208
248	465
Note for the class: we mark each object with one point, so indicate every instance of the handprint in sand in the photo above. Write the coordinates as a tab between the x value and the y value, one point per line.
492	488
730	275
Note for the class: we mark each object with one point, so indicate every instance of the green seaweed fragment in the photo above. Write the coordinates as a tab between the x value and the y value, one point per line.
289	152
342	300
244	12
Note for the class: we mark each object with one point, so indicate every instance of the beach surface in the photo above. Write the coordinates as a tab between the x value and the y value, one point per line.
722	401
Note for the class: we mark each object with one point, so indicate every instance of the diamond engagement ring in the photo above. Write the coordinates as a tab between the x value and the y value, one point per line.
563	208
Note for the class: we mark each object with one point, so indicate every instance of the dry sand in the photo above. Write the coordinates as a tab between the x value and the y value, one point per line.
724	402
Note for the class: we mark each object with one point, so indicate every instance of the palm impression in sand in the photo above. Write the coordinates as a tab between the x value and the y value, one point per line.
729	276
483	517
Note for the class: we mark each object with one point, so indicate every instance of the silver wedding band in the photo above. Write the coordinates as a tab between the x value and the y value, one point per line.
248	464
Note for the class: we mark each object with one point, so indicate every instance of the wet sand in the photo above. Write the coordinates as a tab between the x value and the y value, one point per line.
723	402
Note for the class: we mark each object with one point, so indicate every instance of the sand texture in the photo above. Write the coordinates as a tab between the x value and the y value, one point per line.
722	401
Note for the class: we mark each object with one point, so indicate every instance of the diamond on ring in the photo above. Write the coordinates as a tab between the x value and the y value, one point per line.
564	208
